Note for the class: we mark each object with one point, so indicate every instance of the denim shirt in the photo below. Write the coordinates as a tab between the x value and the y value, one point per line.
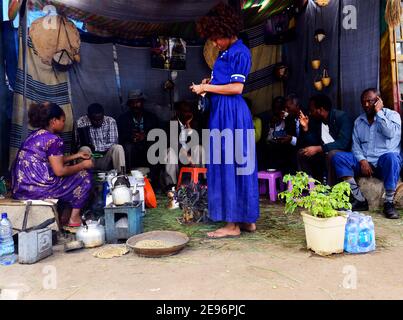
383	136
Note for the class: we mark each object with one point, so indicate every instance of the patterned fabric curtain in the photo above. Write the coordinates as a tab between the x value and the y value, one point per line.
261	86
43	84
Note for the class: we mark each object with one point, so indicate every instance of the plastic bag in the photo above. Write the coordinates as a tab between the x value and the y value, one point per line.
149	195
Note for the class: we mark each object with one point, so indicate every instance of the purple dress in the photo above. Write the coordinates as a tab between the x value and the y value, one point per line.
33	177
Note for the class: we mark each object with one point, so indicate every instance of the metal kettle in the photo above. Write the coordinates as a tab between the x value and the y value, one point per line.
91	233
121	192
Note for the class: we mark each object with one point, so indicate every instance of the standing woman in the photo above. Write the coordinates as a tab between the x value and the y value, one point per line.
40	170
233	197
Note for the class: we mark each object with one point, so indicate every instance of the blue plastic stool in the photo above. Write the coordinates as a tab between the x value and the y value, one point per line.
135	222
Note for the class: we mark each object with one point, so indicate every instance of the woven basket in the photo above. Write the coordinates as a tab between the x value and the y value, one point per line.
47	40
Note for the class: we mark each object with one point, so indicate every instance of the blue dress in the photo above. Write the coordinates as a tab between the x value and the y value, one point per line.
232	185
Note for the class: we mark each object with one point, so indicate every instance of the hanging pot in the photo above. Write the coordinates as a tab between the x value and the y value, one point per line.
325	78
315	64
318	85
322	3
320	35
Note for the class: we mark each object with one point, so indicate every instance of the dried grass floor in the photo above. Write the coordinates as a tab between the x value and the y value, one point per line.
273	226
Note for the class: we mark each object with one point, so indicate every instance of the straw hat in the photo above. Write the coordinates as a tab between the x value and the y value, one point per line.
210	53
47	40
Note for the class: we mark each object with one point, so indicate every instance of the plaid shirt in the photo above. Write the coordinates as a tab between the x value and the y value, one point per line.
102	138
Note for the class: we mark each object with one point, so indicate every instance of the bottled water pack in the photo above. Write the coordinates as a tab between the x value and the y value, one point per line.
360	233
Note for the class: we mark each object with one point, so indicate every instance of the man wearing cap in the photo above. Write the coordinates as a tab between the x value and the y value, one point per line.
133	127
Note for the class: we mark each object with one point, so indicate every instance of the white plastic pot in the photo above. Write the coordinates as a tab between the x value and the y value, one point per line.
325	236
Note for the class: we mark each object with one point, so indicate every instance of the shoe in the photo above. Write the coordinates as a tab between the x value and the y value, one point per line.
390	211
359	205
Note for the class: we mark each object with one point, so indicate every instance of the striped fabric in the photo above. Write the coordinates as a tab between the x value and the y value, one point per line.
119	28
43	84
261	85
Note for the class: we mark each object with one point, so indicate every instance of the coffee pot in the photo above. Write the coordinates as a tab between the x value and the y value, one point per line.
121	192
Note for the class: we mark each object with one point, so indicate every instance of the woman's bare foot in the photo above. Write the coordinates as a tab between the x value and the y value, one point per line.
75	218
248	227
230	230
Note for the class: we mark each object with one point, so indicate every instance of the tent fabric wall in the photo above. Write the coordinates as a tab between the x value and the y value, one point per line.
352	59
93	80
360	54
43	84
298	54
136	73
261	85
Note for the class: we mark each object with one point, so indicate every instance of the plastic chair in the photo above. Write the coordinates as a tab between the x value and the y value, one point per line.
272	177
195	172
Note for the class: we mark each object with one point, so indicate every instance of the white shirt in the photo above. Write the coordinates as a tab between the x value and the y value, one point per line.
326	137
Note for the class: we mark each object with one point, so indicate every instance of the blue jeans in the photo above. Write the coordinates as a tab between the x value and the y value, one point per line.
387	169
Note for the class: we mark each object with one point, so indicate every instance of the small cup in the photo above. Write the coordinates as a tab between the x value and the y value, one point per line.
102	175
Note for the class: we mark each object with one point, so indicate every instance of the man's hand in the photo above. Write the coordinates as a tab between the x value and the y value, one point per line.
303	121
284	140
378	104
366	168
206	81
311	151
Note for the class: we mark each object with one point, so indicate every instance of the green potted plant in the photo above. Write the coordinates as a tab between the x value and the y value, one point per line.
323	215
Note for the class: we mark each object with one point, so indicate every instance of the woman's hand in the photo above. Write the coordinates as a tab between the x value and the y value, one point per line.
83	155
206	81
197	88
87	164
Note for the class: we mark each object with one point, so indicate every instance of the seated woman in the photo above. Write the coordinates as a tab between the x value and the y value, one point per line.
40	170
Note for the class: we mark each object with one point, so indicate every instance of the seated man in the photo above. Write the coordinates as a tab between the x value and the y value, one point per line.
187	123
281	142
98	134
134	126
326	133
375	152
289	143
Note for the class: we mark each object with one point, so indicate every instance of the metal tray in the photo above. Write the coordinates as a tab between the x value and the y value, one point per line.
178	240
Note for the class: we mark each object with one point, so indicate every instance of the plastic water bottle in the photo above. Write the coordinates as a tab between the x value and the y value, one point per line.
351	236
105	192
7	255
366	235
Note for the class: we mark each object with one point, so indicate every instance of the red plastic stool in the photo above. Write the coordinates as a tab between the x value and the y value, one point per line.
272	176
194	172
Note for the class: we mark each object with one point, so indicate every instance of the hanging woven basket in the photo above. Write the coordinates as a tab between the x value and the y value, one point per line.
325	78
315	64
322	3
317	83
58	43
